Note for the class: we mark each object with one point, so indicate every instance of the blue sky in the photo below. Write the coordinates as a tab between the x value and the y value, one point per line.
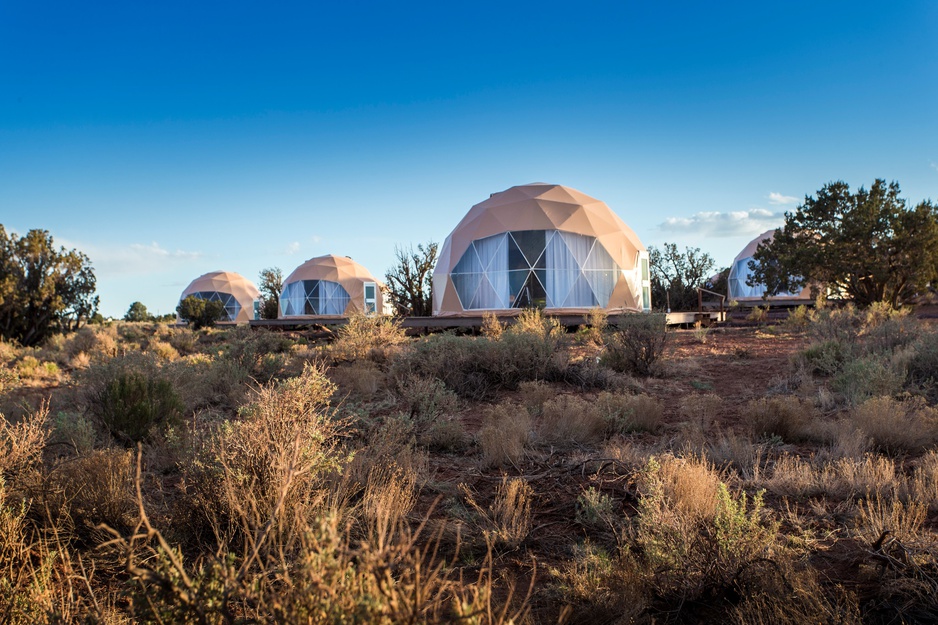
170	139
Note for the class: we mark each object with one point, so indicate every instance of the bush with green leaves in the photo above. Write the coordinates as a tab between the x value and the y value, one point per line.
133	404
200	313
479	367
637	343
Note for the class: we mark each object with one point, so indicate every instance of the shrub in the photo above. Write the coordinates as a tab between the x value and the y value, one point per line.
637	342
132	404
597	322
163	350
571	419
504	435
595	508
270	464
507	521
868	377
533	321
923	365
21	444
492	328
365	337
825	358
76	430
534	394
799	317
697	541
896	426
786	417
758	314
426	399
477	368
630	413
92	489
444	434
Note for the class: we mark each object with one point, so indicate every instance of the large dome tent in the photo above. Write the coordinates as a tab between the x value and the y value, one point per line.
541	245
236	293
330	286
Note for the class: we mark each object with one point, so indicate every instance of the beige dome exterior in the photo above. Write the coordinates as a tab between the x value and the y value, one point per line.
242	290
550	208
339	270
738	290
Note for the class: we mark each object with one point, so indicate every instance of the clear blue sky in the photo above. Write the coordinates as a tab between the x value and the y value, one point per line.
167	139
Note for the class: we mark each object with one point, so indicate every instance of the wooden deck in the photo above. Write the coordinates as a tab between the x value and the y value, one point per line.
431	324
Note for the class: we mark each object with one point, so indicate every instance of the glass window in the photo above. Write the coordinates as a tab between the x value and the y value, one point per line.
313	297
541	268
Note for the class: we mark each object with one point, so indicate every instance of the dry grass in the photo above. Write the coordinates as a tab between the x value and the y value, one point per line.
570	419
368	338
492	328
896	426
22	443
534	394
504	435
630	413
507	521
789	418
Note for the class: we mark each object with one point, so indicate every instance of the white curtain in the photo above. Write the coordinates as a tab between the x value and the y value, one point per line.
601	273
562	268
493	289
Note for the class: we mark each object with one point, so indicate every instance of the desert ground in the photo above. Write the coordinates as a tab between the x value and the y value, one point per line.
778	471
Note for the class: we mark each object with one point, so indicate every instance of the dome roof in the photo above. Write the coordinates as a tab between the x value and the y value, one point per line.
538	206
750	249
330	267
234	284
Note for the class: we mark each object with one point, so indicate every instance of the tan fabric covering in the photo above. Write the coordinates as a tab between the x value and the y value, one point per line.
541	206
747	252
231	283
346	272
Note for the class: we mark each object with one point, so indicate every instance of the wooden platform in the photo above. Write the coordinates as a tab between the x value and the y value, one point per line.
431	324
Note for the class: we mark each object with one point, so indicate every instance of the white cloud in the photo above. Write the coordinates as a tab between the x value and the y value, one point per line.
154	250
135	258
779	199
716	224
292	248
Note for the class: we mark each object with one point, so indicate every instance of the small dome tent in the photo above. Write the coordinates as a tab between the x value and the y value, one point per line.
234	291
541	245
737	286
330	286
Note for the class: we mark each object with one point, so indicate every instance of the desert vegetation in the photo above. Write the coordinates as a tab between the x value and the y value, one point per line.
780	473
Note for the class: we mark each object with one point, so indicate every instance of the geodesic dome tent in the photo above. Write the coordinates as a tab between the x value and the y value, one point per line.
541	245
234	291
740	274
330	286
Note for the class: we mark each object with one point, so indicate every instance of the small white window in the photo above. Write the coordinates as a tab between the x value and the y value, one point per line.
371	298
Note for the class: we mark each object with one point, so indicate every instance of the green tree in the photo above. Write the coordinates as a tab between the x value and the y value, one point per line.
271	285
676	275
409	280
43	290
200	313
869	246
137	312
